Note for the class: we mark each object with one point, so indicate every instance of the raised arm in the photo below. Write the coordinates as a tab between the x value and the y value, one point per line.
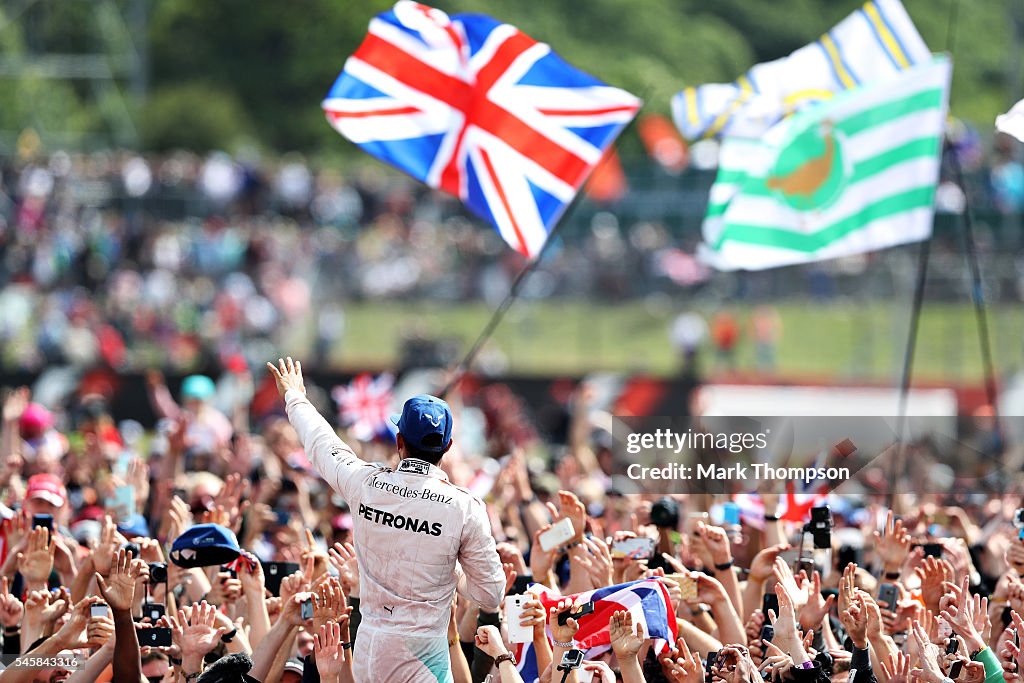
332	458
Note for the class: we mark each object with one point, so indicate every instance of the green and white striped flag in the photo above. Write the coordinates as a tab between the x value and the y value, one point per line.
854	174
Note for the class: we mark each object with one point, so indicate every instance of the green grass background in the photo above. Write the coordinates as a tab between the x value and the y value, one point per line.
842	341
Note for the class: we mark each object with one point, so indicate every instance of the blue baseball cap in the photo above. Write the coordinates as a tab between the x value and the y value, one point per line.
425	423
205	545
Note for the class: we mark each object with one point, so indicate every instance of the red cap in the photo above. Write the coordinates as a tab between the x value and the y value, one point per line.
47	487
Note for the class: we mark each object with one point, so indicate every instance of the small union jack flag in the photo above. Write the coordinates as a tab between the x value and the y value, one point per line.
364	405
477	108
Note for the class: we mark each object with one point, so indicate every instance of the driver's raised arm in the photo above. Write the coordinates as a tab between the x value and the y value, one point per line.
331	457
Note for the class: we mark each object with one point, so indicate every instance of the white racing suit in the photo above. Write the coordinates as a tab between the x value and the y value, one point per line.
410	526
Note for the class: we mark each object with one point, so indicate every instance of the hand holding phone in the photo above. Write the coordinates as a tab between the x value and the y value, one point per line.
99	609
514	606
575	613
154	637
639	548
558	535
306	609
45	521
889	593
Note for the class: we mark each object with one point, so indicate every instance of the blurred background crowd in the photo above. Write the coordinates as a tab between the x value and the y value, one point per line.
179	260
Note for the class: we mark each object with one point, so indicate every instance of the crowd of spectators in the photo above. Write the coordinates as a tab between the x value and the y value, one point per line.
149	557
183	260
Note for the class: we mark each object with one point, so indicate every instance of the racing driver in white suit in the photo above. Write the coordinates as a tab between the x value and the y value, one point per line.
410	528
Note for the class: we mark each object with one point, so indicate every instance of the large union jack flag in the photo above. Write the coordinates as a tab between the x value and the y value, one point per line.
480	110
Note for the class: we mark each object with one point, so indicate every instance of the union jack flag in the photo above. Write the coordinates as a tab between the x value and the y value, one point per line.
647	600
364	405
477	108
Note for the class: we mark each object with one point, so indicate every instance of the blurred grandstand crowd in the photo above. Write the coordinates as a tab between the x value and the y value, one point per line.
136	261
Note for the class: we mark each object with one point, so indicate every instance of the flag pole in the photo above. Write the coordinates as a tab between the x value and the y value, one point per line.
918	303
977	294
499	313
923	254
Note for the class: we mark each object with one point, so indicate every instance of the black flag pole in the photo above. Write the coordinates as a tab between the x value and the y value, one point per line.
977	295
499	313
923	254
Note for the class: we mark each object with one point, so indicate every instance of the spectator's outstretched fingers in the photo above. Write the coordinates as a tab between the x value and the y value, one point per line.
329	651
847	587
118	589
625	641
510	575
343	557
11	608
797	593
893	544
897	669
762	566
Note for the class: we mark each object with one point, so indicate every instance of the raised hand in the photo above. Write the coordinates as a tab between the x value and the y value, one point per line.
199	633
686	667
786	636
735	665
533	616
716	542
897	669
625	641
816	609
43	608
763	565
11	608
893	544
287	375
562	633
329	651
293	584
959	613
934	574
488	639
573	508
74	633
541	561
798	594
99	630
118	589
328	603
250	576
926	654
106	550
776	662
847	587
15	403
343	557
36	563
855	621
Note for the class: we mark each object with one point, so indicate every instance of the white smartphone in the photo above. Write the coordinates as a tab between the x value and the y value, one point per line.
585	675
559	534
517	633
